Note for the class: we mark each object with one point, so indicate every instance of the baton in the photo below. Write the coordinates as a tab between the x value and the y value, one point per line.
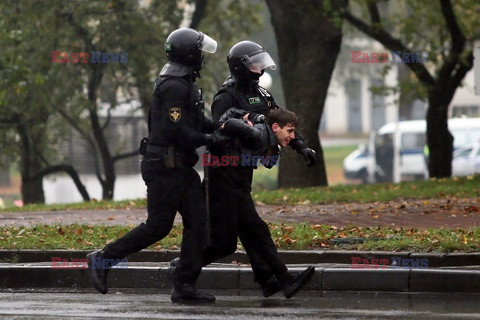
206	170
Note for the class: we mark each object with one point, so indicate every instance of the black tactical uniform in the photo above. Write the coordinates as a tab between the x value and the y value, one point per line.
177	127
232	210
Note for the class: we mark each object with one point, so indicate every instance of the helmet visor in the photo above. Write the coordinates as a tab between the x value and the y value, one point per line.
207	44
259	61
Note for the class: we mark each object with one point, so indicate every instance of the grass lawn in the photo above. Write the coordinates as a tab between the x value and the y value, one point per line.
266	179
459	187
286	236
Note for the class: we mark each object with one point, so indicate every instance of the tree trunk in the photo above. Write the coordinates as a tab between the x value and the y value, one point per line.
32	191
308	44
439	138
108	183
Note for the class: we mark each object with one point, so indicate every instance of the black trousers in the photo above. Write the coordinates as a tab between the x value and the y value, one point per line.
169	191
232	215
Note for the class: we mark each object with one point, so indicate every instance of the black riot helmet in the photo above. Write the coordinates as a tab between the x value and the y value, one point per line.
247	61
185	46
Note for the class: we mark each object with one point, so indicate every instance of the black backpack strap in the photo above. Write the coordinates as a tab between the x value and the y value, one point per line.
230	89
267	96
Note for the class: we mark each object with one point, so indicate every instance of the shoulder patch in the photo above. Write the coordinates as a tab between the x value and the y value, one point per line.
254	100
175	114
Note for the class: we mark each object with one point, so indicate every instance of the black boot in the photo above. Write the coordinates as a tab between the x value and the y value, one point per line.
271	286
171	270
96	271
294	283
184	293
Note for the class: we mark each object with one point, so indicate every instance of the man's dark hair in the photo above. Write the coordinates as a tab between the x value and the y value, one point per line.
282	117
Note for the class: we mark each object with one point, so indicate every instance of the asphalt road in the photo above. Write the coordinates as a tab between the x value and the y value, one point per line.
35	304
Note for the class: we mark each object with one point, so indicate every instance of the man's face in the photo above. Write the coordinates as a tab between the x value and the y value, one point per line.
285	134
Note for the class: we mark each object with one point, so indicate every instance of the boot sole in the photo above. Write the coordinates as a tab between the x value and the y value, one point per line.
305	281
93	274
271	293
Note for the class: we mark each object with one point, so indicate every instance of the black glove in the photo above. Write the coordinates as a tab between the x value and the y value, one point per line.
217	140
309	156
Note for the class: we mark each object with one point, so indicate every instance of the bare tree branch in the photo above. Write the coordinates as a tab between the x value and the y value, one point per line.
62	168
199	13
392	44
458	43
374	14
458	39
88	139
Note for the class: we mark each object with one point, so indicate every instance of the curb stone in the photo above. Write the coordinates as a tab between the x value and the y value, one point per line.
435	260
15	276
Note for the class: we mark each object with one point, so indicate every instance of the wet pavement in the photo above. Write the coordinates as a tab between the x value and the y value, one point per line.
141	304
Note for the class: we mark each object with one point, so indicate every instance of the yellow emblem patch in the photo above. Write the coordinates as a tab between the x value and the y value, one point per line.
175	114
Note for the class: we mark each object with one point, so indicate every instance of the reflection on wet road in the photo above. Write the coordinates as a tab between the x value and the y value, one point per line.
47	304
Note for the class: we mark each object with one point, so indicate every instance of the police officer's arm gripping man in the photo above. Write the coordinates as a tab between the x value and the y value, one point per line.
251	136
247	61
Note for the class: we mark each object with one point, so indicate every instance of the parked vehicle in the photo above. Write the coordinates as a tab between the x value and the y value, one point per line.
466	160
355	165
396	150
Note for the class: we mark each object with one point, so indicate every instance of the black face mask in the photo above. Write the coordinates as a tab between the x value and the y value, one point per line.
255	76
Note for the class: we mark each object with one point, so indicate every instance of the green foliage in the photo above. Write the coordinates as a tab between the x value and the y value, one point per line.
86	205
459	187
40	95
265	179
73	236
287	236
421	27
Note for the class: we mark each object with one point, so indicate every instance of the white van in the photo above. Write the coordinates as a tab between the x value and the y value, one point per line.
406	140
397	147
466	160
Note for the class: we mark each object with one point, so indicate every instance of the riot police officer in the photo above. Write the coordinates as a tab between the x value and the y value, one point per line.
229	185
247	62
176	127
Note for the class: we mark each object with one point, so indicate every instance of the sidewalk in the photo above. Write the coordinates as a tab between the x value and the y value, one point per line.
22	269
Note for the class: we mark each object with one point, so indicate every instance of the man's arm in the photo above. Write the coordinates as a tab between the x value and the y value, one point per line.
248	135
298	144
